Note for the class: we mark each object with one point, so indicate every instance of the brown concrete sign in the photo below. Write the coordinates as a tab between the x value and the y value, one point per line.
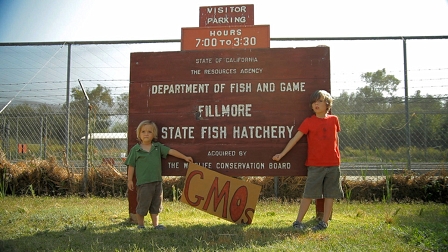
231	110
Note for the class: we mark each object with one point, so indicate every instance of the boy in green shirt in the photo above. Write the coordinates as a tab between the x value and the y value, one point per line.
145	160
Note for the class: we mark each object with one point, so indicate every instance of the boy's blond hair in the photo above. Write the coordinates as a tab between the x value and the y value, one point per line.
322	94
155	131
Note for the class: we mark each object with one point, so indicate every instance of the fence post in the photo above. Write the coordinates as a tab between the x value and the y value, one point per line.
45	135
86	148
17	136
67	101
86	143
41	142
406	105
425	137
7	131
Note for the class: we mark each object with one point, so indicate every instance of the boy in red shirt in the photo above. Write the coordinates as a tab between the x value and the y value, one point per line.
323	160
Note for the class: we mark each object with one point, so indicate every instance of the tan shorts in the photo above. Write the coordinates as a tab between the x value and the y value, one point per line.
149	198
323	182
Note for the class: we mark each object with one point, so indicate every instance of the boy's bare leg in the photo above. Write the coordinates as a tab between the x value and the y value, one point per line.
328	208
140	220
155	219
304	205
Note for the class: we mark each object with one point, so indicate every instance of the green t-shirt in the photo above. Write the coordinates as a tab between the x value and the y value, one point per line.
148	165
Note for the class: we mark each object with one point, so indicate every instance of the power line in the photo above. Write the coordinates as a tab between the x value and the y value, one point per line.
31	78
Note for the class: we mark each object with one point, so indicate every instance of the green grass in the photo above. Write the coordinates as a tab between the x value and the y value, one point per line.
100	224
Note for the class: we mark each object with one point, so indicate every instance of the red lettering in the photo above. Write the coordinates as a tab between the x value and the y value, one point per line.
249	219
217	199
230	201
238	203
187	185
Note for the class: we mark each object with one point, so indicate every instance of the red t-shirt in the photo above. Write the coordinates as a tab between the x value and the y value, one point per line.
322	136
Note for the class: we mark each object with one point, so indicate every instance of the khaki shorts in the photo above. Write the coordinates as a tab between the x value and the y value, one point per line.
149	198
323	182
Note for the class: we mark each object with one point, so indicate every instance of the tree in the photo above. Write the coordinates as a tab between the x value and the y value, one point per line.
371	121
100	100
122	108
380	82
98	97
372	118
123	103
427	129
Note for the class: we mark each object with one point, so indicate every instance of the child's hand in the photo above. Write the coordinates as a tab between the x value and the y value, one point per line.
131	185
276	157
189	159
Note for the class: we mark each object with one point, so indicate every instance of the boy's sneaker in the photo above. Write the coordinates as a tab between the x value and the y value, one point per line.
140	227
320	226
298	225
159	227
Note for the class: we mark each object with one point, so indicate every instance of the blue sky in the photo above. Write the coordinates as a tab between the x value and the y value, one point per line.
97	20
26	71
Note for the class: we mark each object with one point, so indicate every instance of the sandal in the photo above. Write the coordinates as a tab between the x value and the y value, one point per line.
298	225
159	227
320	226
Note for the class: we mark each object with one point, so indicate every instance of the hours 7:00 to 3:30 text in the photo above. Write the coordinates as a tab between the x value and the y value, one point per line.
235	42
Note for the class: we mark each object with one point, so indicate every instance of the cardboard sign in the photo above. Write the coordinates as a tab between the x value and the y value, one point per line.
227	37
223	196
226	15
231	110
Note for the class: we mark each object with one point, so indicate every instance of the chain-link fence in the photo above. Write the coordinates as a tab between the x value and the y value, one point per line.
40	131
386	124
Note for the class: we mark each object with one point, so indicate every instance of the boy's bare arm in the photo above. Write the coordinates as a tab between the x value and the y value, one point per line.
289	146
130	176
177	154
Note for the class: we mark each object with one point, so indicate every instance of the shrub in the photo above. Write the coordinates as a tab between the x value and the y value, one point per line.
46	178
